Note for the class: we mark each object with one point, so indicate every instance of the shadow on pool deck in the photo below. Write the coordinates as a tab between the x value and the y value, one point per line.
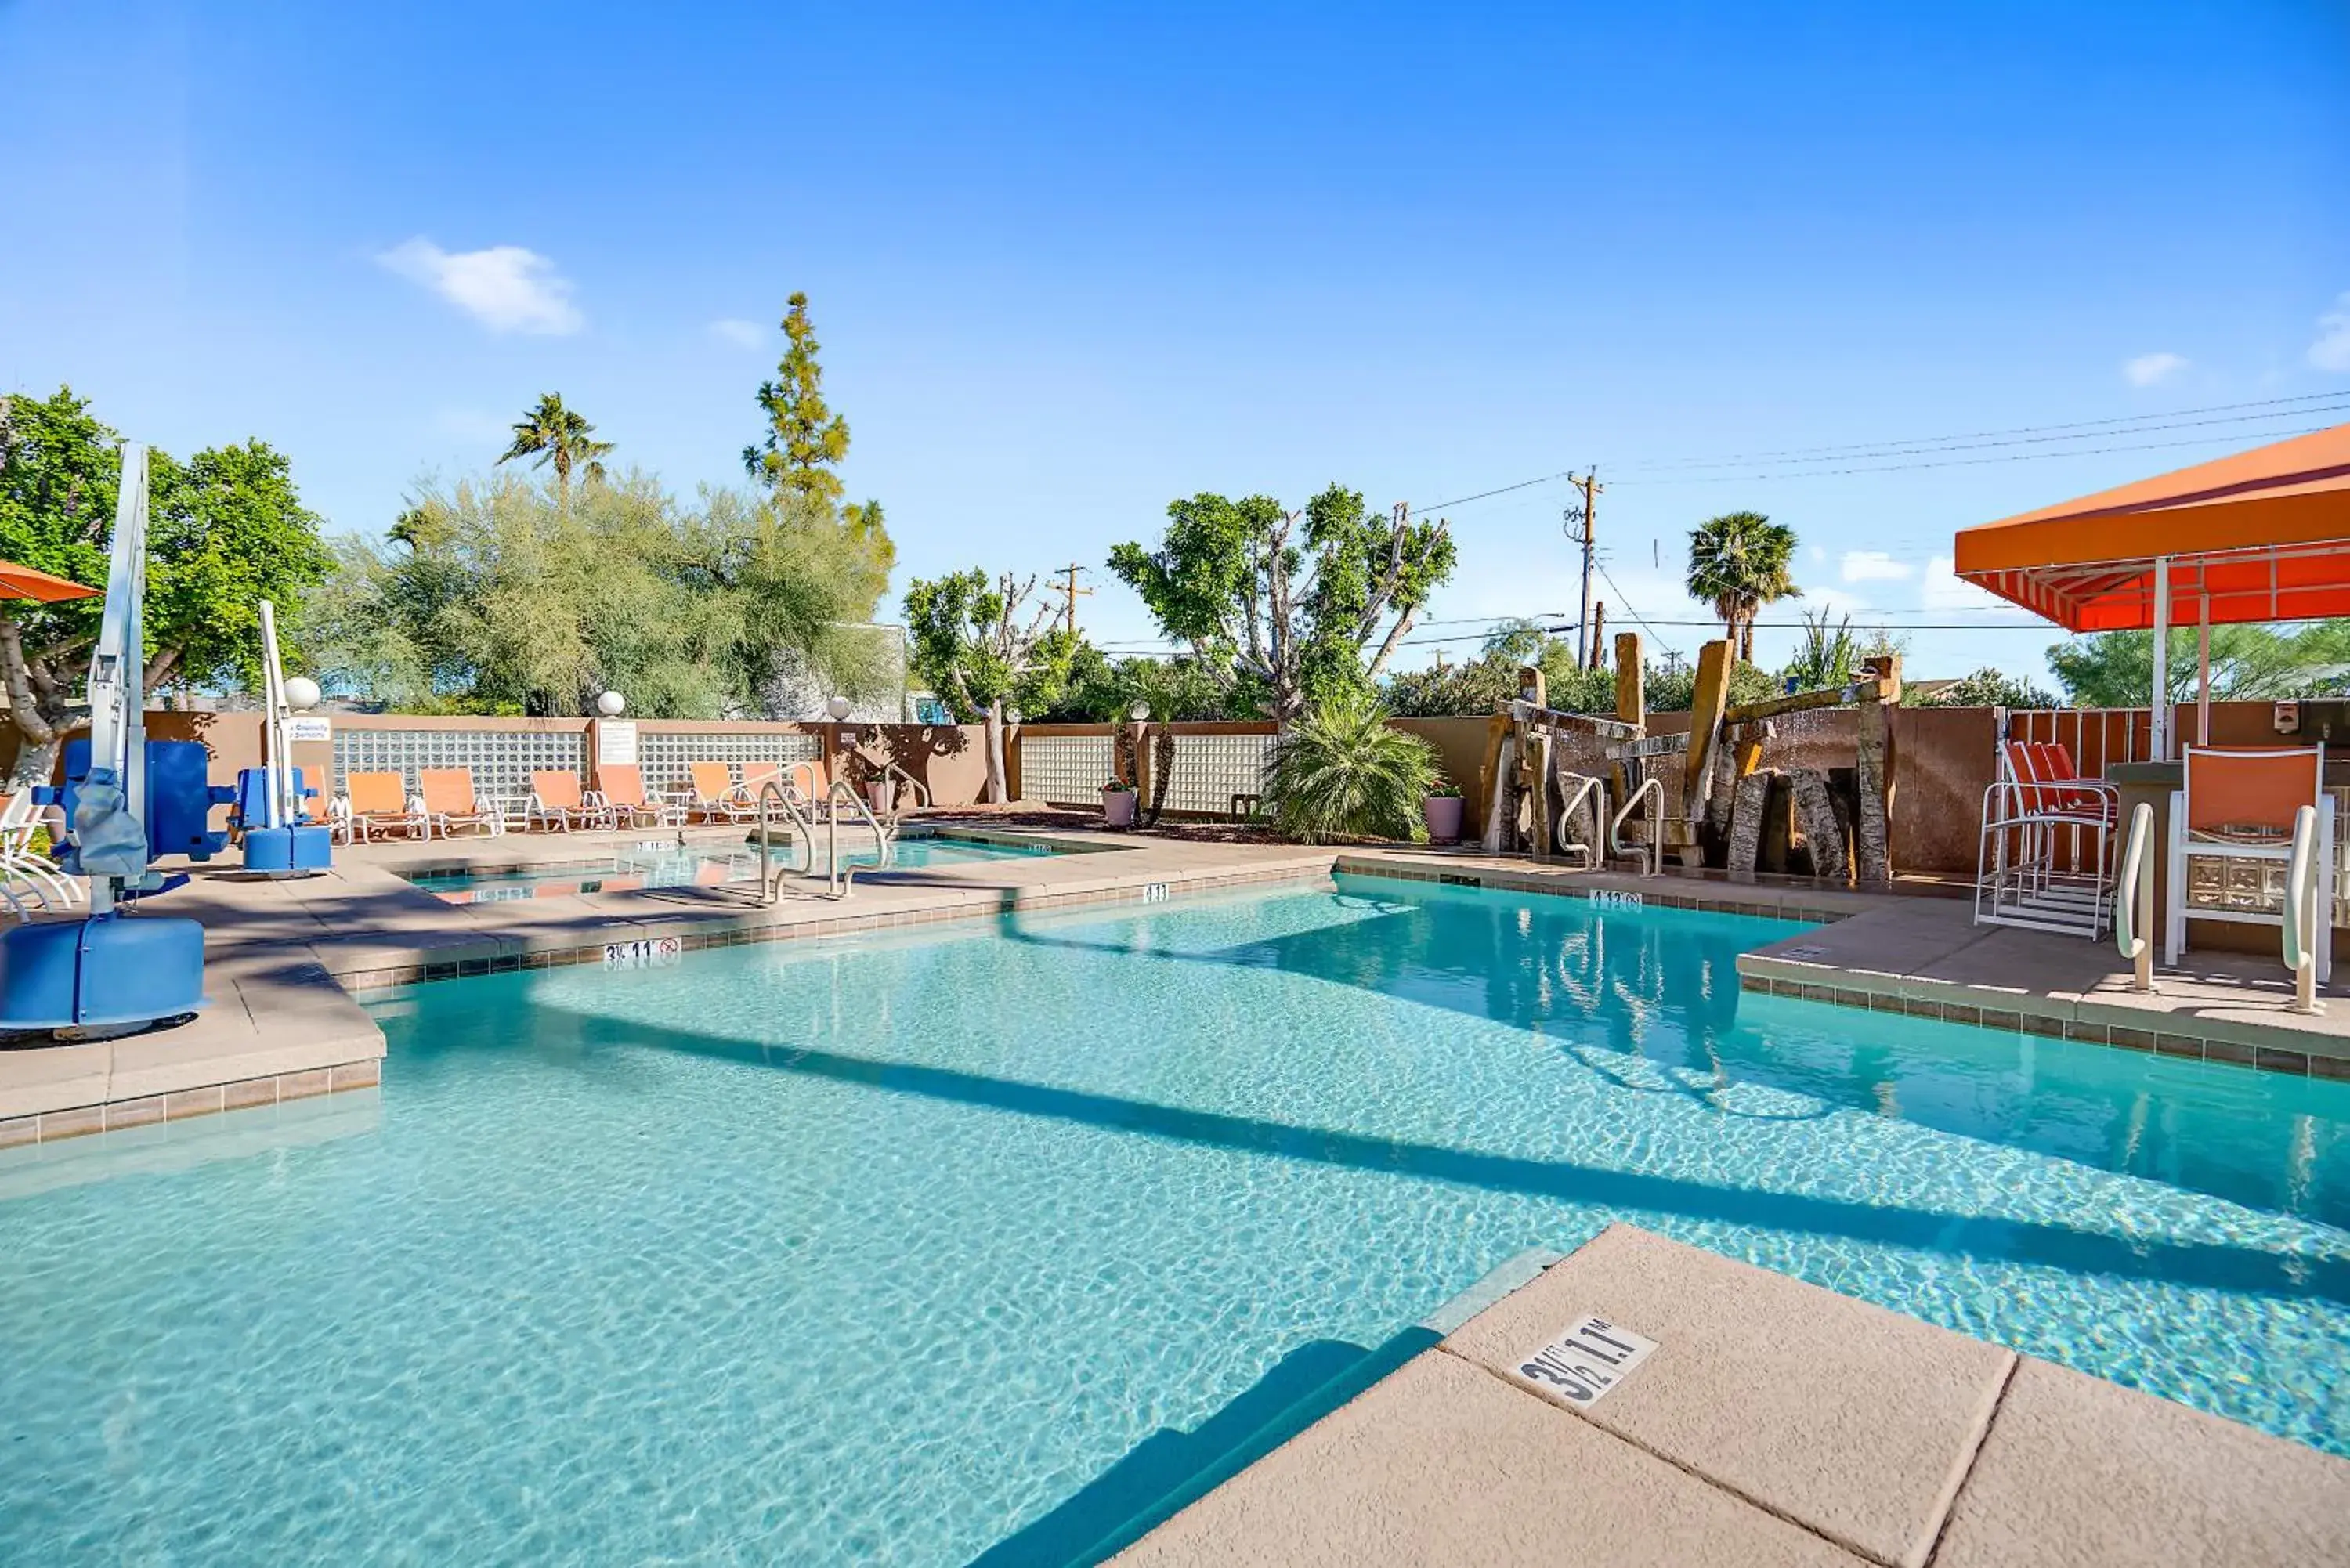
2202	1265
1169	1469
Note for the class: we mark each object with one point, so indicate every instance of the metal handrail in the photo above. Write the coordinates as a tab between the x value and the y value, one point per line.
2134	898
921	789
803	832
885	849
1587	787
1649	785
2301	910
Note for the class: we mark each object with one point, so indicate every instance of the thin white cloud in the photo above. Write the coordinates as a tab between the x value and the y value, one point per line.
2152	370
743	333
1873	566
506	287
1946	590
2332	350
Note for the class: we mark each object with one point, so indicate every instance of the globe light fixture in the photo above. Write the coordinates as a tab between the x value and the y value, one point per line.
301	692
611	704
1138	712
839	708
1012	715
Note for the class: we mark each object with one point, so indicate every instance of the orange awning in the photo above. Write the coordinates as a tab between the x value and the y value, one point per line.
23	582
2262	535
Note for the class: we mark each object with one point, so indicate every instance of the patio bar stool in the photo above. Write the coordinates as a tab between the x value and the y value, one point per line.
2235	815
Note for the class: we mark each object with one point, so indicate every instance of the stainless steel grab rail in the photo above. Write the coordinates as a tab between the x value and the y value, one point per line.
1586	787
2134	898
1649	785
2301	911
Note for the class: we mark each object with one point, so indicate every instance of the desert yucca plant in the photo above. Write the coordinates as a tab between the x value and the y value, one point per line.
1339	772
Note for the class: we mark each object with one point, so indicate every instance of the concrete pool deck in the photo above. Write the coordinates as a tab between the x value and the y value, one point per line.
1776	1422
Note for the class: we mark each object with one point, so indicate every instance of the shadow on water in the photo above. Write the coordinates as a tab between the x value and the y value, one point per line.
1167	1470
1663	988
2204	1264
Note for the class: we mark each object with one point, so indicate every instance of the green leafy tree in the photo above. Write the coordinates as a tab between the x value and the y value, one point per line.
550	433
497	597
1739	563
1340	771
225	531
804	440
975	641
1287	607
1986	688
2255	663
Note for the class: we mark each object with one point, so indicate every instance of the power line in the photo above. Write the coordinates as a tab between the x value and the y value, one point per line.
1955	461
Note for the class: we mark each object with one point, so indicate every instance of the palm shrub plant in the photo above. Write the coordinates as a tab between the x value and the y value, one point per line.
1340	771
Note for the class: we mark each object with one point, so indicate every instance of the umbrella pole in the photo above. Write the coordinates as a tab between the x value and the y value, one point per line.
2162	659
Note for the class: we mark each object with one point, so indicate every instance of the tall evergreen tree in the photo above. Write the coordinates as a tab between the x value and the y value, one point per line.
804	438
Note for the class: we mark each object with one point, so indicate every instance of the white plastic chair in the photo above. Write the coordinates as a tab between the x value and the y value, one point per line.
19	862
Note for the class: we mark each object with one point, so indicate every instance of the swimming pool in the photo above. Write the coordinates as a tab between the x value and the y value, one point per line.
661	865
900	1250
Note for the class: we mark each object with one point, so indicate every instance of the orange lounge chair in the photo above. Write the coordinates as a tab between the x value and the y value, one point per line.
450	802
557	802
622	797
716	796
379	802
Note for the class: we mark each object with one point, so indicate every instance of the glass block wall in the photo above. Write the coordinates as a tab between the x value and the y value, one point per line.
664	756
502	760
1066	770
2258	886
1210	769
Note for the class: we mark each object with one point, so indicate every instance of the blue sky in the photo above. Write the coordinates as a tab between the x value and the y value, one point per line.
1067	265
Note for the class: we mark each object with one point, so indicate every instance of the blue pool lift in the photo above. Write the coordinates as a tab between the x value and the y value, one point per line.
280	837
108	971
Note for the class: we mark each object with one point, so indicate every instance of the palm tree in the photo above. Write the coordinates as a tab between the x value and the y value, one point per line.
1738	562
553	434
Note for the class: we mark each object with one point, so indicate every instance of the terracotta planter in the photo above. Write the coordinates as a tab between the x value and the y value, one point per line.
1442	813
883	793
1117	807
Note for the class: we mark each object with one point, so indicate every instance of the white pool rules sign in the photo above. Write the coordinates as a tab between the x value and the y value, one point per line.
1583	1363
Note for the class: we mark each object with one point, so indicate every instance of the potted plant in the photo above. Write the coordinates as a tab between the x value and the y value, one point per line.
1117	804
1441	809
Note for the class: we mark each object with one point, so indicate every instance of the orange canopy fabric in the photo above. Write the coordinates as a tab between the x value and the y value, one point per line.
23	582
2262	535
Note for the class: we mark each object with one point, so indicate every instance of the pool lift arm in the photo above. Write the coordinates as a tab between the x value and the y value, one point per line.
105	971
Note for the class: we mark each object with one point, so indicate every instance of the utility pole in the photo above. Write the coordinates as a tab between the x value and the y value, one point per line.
1580	523
1598	629
1070	592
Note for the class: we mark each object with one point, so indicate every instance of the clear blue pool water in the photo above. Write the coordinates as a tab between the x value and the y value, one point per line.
702	865
888	1253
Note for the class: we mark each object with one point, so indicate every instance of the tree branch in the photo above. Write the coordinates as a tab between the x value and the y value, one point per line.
21	706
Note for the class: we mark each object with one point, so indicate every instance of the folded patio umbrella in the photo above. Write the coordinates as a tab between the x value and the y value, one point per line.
23	582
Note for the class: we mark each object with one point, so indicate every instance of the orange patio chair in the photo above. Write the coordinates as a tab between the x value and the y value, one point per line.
451	802
622	796
379	802
716	796
556	802
2240	804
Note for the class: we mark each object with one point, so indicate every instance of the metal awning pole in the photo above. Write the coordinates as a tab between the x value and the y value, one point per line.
2203	671
2162	659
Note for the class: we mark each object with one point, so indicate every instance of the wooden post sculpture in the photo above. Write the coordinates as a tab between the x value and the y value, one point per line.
1873	832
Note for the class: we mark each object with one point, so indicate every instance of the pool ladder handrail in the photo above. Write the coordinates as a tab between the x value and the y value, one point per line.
2134	899
1585	786
2301	911
921	790
838	879
1653	785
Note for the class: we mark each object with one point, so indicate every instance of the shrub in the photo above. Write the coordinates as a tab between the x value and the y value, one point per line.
1339	772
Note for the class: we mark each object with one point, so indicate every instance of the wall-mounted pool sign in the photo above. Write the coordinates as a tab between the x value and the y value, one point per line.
304	728
1614	899
1154	892
1585	1362
649	952
616	741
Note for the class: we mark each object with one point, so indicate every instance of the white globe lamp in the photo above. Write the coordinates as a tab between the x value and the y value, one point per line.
611	704
301	694
1138	712
839	708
